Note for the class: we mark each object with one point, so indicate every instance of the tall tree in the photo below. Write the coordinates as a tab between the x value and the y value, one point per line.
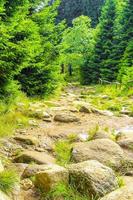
41	76
126	66
103	67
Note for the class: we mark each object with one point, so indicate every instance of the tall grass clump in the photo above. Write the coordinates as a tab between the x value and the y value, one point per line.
8	180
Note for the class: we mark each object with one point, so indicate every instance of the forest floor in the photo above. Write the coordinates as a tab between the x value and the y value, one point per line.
56	125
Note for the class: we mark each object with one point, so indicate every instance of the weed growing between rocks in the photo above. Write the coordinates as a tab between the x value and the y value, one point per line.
64	192
8	180
63	152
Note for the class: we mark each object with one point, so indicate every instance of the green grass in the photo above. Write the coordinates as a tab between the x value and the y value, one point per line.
8	180
121	182
63	152
62	191
93	131
116	98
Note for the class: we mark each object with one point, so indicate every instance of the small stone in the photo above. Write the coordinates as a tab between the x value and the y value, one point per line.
26	184
66	118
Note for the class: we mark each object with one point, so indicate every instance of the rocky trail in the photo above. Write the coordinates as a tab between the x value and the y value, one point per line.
31	150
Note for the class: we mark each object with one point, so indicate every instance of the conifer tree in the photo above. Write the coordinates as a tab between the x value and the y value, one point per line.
126	66
41	76
19	42
104	44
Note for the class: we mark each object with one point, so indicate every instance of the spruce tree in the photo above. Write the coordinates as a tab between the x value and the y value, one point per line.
41	76
103	64
19	42
126	66
123	31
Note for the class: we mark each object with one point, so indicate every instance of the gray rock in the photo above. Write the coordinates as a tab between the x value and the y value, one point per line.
104	150
123	193
92	178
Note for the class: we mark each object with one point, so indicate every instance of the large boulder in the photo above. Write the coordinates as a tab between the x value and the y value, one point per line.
123	193
104	150
34	156
66	118
50	177
92	178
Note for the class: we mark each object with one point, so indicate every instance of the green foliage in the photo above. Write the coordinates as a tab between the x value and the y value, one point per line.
126	70
63	152
41	77
8	180
104	43
65	192
77	44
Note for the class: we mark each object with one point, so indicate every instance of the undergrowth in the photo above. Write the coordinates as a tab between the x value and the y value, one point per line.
8	180
63	152
62	191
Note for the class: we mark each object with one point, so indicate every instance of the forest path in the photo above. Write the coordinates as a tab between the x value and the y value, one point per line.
68	102
50	131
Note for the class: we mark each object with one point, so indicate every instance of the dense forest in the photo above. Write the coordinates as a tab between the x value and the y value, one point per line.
66	99
34	46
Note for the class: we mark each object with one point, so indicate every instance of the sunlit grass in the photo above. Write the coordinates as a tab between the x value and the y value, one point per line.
8	180
63	152
65	192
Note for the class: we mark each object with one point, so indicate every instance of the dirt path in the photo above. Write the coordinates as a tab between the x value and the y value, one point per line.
87	121
49	132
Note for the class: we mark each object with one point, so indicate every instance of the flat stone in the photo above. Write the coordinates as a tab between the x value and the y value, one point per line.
34	156
66	118
92	178
30	140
